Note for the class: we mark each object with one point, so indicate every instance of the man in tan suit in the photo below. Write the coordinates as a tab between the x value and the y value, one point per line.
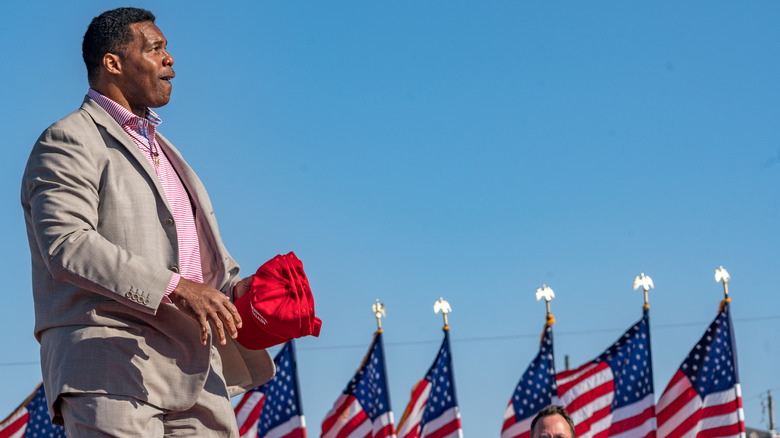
132	285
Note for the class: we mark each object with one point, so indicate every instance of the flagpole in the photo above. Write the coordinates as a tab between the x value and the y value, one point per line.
646	283
547	293
722	276
294	368
445	308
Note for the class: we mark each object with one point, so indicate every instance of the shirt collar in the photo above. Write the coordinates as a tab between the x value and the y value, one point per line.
121	114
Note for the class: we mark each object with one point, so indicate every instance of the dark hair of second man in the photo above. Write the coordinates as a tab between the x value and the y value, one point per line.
554	410
110	32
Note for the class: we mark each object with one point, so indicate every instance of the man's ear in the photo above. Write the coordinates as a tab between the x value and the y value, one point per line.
112	63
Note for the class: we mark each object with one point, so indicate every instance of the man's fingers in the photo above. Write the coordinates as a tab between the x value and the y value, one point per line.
231	319
204	329
218	327
235	315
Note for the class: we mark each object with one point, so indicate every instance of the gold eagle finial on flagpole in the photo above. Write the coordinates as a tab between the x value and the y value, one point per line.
379	313
722	276
444	307
547	293
646	283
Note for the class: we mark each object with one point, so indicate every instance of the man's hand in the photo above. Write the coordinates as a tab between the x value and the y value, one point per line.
207	305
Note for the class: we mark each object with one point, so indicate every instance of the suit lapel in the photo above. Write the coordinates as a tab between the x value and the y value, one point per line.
103	119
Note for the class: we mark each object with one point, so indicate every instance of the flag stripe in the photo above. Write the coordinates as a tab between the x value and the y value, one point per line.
292	428
591	407
383	431
593	384
521	429
356	427
341	416
383	426
635	420
14	426
343	403
732	430
679	386
248	411
414	411
444	425
569	378
598	422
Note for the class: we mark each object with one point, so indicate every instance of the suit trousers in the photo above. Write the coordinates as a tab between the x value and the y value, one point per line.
107	415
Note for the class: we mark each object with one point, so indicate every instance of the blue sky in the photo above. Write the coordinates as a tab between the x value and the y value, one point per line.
411	150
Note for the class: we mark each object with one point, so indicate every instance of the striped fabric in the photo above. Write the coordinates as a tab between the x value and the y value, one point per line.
142	131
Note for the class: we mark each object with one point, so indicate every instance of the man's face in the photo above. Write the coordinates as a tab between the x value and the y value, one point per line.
146	68
551	426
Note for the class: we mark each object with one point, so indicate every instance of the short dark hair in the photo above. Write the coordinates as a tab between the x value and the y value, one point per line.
109	32
553	410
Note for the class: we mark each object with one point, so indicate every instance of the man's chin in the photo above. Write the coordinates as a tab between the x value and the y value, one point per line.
162	101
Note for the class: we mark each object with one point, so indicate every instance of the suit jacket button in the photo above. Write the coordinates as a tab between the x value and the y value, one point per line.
169	222
174	269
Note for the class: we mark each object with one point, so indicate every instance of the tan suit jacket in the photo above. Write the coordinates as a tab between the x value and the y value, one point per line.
103	245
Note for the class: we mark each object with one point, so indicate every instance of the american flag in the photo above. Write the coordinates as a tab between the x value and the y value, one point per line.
704	398
31	419
433	411
363	409
536	390
612	395
274	410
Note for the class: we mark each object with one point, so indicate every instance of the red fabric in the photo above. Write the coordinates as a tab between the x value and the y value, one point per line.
279	305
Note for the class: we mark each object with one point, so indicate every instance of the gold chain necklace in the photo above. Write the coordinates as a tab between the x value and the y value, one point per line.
154	152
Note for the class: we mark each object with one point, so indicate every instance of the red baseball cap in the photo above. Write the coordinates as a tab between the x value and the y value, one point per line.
279	305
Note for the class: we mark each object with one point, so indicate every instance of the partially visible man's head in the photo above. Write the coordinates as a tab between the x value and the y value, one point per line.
110	32
552	422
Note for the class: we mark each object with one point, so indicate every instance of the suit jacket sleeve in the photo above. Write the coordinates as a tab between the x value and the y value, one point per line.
61	193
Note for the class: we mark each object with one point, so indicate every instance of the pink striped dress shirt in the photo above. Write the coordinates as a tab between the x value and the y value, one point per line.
142	132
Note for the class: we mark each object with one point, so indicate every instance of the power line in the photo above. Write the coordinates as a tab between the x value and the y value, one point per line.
11	364
486	338
531	335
